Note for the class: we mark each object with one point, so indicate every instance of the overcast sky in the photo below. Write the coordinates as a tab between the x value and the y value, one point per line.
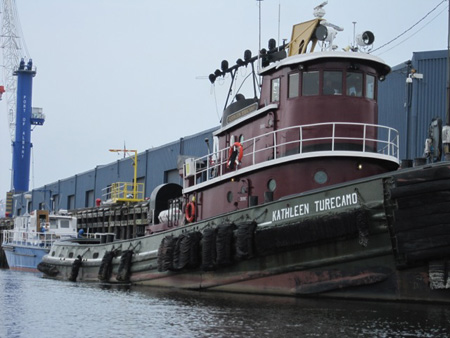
135	71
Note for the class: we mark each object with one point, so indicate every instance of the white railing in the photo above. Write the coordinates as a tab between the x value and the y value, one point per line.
312	140
27	238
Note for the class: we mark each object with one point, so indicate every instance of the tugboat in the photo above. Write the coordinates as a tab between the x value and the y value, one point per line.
301	195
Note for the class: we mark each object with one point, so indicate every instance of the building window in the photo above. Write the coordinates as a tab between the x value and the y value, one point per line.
55	202
310	83
172	176
370	87
332	83
89	201
354	84
71	202
293	85
275	90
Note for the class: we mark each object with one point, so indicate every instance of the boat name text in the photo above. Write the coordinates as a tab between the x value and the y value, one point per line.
329	203
242	112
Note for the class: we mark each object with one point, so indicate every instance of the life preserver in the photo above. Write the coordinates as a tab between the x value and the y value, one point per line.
235	154
190	212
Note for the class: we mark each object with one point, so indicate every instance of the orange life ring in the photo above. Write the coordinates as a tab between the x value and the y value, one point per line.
190	212
233	148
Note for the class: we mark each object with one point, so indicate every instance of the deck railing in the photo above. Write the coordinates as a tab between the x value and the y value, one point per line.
29	238
312	140
124	192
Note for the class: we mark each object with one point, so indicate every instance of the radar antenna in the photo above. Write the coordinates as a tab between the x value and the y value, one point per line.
319	12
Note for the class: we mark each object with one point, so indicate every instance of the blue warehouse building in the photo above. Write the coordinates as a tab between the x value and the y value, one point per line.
410	97
414	94
155	166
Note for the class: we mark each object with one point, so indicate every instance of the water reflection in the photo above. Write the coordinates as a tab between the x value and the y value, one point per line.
52	308
9	295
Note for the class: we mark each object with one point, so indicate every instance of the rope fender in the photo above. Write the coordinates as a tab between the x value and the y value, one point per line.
123	275
105	270
75	268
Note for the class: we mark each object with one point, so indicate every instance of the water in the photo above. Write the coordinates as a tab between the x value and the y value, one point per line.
31	306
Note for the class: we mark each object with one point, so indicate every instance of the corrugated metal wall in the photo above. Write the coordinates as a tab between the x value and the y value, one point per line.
410	107
155	167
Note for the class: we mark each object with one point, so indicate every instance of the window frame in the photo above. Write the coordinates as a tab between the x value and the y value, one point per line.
291	94
361	84
275	90
335	89
374	90
306	77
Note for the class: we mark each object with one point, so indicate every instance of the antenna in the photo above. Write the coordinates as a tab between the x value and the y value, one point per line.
259	30
279	21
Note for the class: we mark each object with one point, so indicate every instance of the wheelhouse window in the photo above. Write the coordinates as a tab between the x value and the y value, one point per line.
332	83
293	85
64	223
370	87
354	84
53	224
310	83
275	90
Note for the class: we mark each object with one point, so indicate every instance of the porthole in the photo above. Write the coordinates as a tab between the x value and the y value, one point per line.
95	255
321	177
230	197
70	254
272	185
53	254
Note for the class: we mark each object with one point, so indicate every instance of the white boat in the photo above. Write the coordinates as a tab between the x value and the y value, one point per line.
33	235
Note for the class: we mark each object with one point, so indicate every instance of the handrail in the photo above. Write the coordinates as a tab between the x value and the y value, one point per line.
30	238
124	191
311	140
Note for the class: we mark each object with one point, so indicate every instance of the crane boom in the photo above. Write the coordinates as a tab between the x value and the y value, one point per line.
12	49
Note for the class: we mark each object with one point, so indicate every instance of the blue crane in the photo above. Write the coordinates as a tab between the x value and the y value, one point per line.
18	77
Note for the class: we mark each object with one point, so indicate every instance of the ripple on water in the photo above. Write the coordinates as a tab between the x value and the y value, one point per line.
31	306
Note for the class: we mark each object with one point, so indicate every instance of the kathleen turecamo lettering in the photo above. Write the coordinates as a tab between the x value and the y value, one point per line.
321	205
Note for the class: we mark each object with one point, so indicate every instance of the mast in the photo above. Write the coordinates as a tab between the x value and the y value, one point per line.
447	104
446	128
